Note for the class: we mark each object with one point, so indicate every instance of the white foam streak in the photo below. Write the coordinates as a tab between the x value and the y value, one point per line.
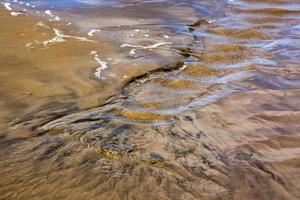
154	46
15	13
132	52
93	31
103	64
48	12
53	17
7	6
60	37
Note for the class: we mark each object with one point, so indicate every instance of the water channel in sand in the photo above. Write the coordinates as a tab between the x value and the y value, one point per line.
150	99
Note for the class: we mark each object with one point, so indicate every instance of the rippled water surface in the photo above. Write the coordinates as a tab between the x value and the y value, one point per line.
85	3
150	100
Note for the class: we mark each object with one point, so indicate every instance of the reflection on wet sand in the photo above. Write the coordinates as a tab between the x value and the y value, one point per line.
213	117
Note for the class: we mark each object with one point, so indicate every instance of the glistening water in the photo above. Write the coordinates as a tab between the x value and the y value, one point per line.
150	100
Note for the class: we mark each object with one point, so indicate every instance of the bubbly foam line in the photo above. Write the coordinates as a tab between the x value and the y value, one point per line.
57	39
60	37
103	64
48	12
132	52
153	46
93	31
15	13
7	6
53	17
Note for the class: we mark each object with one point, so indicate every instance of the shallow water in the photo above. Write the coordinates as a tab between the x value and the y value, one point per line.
199	100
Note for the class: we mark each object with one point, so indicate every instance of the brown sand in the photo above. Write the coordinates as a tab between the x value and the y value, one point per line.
226	127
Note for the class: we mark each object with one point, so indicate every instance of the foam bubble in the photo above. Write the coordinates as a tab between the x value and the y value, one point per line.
103	64
15	13
153	46
7	6
93	31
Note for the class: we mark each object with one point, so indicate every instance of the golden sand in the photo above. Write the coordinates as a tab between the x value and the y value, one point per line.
32	74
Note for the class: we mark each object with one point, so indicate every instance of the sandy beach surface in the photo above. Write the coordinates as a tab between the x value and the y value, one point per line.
158	99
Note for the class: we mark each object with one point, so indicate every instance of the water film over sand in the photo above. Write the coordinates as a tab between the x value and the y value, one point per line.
162	100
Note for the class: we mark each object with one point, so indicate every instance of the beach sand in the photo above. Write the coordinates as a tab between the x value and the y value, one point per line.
205	108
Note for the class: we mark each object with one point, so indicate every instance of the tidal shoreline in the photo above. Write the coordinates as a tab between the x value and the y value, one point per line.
206	107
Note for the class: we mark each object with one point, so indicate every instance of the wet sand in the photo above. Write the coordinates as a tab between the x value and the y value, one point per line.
32	72
213	114
59	77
